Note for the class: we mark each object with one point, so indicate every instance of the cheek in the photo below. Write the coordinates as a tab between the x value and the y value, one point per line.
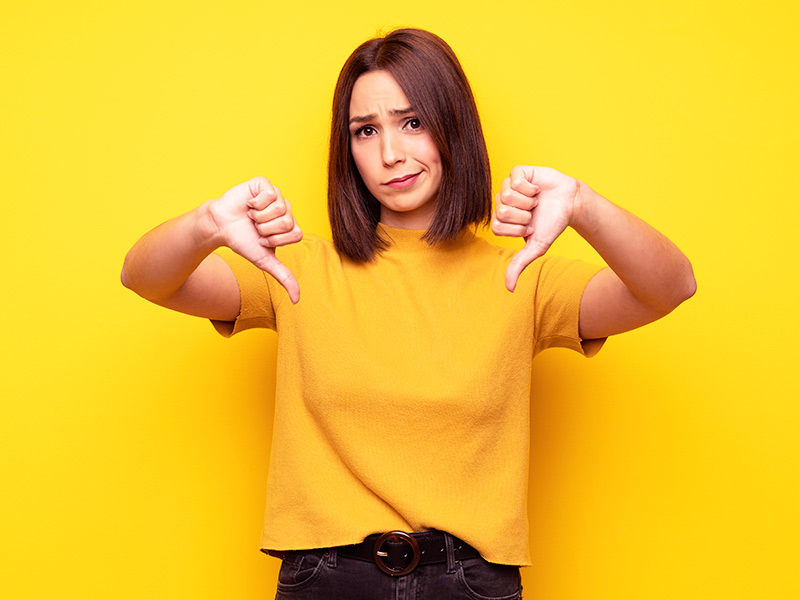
368	170
361	164
431	152
434	159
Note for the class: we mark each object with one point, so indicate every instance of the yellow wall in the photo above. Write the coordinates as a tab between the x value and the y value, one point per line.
135	441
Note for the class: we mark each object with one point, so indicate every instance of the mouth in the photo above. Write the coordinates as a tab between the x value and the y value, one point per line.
403	181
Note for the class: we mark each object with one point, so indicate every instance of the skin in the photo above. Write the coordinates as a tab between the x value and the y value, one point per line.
394	153
173	264
648	276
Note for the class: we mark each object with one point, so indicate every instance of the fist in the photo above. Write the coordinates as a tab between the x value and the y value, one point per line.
536	204
253	218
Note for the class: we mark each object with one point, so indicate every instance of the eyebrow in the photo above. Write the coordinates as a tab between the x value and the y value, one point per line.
371	117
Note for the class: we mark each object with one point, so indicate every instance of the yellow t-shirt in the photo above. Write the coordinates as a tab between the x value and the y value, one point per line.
403	388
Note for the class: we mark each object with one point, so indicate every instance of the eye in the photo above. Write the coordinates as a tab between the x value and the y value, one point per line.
414	123
365	131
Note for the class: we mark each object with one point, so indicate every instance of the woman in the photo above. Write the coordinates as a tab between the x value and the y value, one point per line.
401	434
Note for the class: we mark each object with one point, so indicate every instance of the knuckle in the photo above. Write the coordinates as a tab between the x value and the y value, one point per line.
265	264
507	195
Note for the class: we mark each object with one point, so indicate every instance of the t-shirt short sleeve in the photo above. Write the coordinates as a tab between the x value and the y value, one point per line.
557	304
261	295
256	308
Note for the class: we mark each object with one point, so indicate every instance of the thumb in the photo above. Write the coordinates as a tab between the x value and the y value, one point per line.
529	253
522	175
270	264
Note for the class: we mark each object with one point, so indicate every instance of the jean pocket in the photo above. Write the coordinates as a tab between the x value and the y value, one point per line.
482	580
301	569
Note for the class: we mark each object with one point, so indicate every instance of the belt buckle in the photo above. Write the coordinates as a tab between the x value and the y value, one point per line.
395	536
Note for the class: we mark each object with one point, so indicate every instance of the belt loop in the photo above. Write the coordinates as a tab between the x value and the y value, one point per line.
333	555
451	553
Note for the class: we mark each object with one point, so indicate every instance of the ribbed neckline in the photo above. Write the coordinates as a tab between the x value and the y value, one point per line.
409	240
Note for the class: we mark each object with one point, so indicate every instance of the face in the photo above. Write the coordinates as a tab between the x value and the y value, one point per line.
394	153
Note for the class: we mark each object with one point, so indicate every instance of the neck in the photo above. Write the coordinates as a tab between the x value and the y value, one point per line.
419	218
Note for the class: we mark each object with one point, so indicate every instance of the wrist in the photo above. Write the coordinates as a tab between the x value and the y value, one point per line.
207	235
585	206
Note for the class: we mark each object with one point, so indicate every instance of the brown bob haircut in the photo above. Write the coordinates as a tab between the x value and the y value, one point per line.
429	73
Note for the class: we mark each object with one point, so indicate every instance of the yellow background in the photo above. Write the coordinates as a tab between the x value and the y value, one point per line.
135	440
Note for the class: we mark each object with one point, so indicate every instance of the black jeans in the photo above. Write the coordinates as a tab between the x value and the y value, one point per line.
324	575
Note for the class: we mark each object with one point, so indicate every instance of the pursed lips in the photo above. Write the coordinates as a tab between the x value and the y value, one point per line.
403	181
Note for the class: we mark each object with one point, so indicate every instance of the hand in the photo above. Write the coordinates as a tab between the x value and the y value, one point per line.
536	204
252	219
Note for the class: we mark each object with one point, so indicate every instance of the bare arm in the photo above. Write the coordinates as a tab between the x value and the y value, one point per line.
172	265
648	275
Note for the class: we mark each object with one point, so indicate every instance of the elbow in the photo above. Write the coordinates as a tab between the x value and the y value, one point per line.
124	279
689	287
127	276
124	276
681	288
685	288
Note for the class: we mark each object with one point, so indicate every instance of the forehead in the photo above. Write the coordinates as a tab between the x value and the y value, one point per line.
376	91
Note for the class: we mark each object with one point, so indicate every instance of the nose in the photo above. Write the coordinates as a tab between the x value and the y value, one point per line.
392	151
